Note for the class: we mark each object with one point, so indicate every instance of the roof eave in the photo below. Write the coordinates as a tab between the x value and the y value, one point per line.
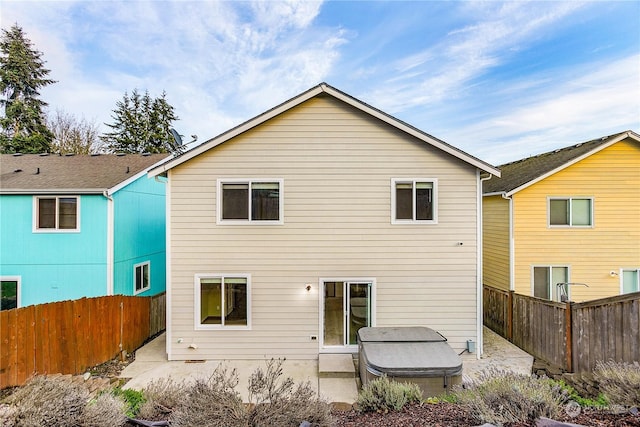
58	191
620	137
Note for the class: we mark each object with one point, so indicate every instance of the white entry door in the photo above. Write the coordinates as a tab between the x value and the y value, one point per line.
347	307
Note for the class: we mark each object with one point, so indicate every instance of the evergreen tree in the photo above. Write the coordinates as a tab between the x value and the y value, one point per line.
141	124
22	74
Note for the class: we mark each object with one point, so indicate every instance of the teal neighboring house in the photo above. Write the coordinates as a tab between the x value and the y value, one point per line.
80	226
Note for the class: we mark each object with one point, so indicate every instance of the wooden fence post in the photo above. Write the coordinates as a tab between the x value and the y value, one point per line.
568	316
510	316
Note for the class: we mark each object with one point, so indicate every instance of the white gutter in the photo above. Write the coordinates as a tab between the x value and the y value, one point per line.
110	246
479	274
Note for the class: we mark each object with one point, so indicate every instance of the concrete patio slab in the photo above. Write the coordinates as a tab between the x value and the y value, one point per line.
151	364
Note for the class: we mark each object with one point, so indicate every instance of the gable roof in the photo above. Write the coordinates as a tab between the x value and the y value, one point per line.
326	89
522	173
78	174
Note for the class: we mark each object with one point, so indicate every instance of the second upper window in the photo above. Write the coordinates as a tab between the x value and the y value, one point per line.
244	201
414	200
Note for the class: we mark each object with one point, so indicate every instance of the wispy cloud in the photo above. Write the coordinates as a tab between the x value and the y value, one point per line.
444	70
572	108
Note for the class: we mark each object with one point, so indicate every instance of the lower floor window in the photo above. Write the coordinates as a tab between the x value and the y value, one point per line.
630	281
550	282
223	300
141	277
8	294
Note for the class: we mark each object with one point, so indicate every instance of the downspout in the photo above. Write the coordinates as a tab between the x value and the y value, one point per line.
512	249
110	231
479	251
168	291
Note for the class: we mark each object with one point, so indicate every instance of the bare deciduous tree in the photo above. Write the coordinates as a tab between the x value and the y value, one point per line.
73	135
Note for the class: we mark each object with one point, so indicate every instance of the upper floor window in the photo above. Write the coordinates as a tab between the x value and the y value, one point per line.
570	212
630	281
52	213
141	281
414	200
244	201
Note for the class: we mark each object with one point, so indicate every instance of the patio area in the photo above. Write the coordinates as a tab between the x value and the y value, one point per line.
334	378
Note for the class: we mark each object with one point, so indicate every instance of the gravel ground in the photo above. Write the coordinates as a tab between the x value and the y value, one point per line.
451	415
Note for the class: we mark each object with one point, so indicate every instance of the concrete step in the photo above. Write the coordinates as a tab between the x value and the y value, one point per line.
341	392
336	366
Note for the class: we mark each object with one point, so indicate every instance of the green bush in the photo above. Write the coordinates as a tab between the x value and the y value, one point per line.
133	400
499	397
619	382
384	395
598	403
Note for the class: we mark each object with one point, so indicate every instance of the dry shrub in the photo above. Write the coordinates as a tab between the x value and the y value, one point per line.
55	401
105	410
384	395
162	397
274	401
499	397
211	402
278	401
619	382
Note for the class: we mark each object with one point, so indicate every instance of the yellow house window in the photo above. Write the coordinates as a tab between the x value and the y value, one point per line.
570	212
630	281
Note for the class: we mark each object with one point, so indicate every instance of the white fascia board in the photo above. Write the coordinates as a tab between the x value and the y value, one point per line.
134	178
571	162
58	191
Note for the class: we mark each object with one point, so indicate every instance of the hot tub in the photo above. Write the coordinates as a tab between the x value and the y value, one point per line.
416	354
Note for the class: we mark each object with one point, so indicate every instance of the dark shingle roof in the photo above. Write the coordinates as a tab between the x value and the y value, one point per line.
520	172
87	173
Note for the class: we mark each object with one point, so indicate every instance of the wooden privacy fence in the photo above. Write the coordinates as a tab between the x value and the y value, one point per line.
571	336
70	336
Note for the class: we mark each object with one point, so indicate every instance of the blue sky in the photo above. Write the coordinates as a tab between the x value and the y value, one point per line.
500	80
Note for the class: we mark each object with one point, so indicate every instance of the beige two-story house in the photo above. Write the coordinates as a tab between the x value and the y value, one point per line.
289	232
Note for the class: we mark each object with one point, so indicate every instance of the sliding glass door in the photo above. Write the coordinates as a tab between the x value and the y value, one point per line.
347	307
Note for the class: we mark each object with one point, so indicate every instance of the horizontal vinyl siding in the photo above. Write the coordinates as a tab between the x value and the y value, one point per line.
337	166
495	230
612	178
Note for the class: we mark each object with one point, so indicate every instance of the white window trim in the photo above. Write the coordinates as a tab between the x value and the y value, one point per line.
569	199
196	308
249	221
620	275
551	266
135	267
413	181
17	279
321	282
55	230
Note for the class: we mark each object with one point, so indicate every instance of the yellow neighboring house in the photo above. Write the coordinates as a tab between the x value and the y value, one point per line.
566	224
